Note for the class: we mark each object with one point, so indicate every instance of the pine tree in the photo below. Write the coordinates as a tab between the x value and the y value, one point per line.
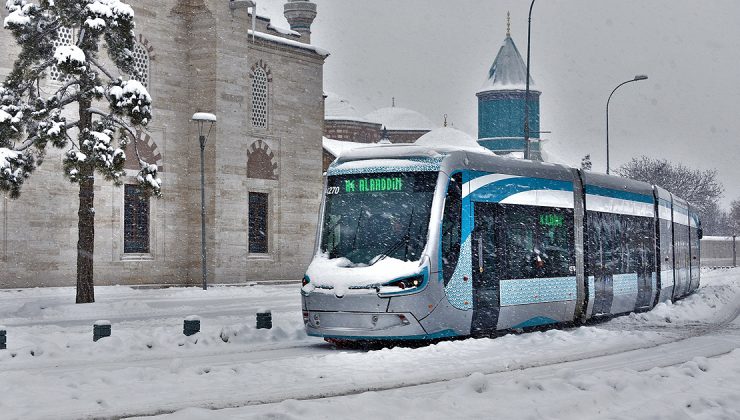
586	163
91	115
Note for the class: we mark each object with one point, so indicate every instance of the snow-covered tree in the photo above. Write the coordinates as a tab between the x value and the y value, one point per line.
715	221
586	163
90	115
734	217
700	188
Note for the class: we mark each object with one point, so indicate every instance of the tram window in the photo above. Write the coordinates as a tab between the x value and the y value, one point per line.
533	242
451	227
619	243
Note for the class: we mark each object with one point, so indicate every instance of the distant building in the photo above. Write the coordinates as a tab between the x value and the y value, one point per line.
343	123
501	104
263	158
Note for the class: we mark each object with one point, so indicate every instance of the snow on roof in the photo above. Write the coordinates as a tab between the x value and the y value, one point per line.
391	151
450	137
289	42
396	118
281	30
338	108
337	147
508	71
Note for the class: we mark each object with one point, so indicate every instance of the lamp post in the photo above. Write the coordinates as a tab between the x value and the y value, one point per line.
526	91
203	118
636	79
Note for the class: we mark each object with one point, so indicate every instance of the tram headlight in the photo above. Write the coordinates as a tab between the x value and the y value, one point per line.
408	282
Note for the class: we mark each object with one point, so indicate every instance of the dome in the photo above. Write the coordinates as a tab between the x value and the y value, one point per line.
337	108
401	119
451	138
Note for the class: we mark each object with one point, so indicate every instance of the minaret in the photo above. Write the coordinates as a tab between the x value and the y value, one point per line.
300	15
501	103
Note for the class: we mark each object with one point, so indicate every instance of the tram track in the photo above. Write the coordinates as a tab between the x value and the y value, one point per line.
699	340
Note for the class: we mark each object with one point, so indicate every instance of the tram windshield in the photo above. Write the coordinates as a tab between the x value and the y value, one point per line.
369	217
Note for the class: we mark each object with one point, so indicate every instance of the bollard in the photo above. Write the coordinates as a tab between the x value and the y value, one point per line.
101	329
264	320
191	325
3	338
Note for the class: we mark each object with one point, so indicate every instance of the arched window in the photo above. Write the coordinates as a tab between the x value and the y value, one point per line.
64	37
259	98
141	64
260	163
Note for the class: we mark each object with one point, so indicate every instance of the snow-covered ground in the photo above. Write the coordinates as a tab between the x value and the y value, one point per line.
677	361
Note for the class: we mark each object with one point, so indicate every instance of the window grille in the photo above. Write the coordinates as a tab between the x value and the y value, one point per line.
65	37
259	99
141	64
258	223
135	221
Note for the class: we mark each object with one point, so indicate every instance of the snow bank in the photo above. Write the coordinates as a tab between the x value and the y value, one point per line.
699	389
53	369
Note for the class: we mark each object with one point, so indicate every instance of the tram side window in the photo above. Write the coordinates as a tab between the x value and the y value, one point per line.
666	245
619	243
451	227
533	242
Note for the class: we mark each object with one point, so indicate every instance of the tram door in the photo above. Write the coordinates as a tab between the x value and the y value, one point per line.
485	282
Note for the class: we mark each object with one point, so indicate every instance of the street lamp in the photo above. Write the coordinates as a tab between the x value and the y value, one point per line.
636	79
203	118
526	91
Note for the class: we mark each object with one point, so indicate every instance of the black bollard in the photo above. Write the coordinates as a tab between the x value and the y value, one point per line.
3	338
191	325
264	320
101	329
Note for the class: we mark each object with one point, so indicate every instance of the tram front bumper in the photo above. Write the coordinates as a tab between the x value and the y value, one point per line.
363	325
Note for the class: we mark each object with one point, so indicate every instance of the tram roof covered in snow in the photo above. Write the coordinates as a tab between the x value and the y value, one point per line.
451	157
617	183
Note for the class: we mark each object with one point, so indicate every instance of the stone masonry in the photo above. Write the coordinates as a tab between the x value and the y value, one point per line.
201	60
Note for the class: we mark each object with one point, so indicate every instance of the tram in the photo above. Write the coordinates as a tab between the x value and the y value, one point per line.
420	243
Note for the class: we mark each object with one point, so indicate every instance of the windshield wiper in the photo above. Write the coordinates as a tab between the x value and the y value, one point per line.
404	240
357	229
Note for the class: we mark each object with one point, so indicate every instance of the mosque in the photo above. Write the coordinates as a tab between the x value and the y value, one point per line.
263	162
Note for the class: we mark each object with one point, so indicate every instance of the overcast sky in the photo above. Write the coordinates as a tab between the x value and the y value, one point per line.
434	55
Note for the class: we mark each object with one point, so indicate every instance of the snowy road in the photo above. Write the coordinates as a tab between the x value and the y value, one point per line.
148	367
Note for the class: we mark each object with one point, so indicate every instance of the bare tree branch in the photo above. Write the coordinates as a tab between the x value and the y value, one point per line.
101	68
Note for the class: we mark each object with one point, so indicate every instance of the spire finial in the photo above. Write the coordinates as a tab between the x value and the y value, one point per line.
445	124
508	24
393	102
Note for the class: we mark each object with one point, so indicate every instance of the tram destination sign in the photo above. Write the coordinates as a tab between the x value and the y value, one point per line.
411	183
375	184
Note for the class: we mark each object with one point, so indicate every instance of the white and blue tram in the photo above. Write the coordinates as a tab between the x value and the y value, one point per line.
421	243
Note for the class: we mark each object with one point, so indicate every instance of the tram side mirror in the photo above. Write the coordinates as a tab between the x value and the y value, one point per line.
700	233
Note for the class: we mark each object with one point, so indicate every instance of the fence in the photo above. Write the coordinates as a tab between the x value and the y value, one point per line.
719	251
